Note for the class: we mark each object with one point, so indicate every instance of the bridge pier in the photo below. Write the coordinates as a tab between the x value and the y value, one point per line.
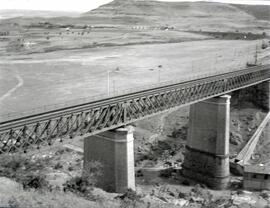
207	149
114	150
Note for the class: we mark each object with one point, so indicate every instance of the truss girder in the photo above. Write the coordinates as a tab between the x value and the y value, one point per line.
91	118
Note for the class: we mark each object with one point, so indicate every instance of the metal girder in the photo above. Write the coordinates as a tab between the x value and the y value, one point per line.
97	116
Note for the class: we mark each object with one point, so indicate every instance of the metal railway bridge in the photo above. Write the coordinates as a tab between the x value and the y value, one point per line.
109	113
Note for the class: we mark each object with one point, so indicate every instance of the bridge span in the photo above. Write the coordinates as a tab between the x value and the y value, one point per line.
109	113
92	118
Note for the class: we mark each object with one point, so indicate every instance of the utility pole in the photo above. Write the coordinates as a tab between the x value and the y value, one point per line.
117	70
256	55
108	82
159	68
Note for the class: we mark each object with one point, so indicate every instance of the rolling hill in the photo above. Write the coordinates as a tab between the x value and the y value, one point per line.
181	15
167	9
184	15
261	12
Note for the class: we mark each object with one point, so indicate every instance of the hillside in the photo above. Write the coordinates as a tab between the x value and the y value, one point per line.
261	12
125	22
168	9
180	15
183	15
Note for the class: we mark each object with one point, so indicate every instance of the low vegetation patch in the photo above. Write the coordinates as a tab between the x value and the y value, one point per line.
83	185
130	199
24	170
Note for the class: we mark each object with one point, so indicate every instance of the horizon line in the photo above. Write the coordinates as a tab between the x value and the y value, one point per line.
237	2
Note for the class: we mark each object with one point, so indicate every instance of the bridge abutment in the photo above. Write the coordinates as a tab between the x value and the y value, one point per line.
207	149
114	150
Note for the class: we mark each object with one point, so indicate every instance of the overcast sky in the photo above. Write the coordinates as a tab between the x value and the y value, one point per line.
85	5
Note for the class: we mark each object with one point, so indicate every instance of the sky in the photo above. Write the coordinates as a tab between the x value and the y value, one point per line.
86	5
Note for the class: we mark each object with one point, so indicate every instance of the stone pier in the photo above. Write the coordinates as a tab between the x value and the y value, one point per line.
114	150
207	149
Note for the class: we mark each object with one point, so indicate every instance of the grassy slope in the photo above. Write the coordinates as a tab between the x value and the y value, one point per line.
261	12
183	15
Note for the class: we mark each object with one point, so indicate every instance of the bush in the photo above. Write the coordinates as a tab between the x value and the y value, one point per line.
131	195
130	199
10	164
22	169
77	184
35	181
58	166
180	133
167	173
83	185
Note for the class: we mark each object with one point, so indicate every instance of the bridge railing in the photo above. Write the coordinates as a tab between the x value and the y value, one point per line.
79	101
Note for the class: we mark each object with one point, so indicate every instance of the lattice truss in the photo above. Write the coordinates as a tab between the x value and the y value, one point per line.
115	112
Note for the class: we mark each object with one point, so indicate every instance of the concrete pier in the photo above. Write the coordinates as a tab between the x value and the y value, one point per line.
207	149
114	150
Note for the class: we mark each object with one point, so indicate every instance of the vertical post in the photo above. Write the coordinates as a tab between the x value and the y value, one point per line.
158	75
108	82
114	86
159	72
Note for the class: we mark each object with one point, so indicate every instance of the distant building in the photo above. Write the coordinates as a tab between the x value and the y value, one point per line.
257	177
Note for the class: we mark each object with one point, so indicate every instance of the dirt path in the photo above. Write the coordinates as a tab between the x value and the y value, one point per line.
18	85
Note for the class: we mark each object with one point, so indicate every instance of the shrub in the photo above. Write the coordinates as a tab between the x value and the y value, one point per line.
167	173
130	199
77	184
36	181
58	166
10	164
131	195
83	185
24	170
